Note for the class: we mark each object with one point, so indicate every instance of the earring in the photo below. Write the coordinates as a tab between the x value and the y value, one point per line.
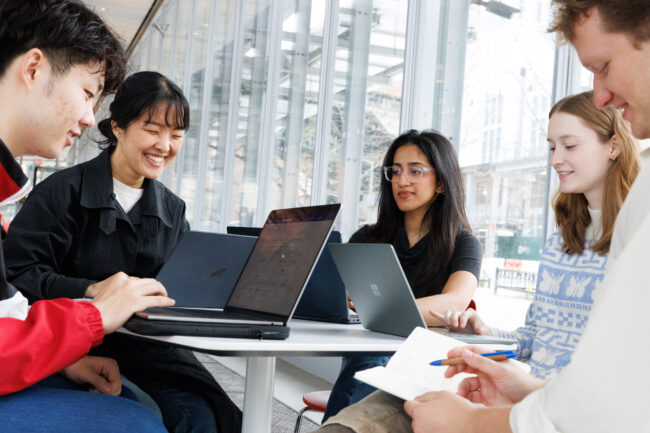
612	157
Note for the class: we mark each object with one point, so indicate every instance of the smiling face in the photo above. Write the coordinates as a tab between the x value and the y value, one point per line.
60	105
414	194
578	156
621	68
146	147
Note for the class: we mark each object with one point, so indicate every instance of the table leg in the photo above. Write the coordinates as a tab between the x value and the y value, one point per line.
258	394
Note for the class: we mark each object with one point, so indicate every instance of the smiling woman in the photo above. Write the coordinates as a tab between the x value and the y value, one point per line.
149	116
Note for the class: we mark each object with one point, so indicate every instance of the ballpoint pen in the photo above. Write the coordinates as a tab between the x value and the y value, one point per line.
497	356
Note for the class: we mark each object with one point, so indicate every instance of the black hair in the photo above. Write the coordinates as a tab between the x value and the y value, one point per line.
67	32
145	92
445	217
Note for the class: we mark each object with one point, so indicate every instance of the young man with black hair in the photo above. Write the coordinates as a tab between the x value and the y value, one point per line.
57	57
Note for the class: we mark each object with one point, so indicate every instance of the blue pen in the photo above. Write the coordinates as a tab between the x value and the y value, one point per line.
497	356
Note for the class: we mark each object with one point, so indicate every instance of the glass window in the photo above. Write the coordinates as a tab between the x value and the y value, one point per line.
194	90
503	151
155	42
253	91
301	50
233	130
237	138
163	24
367	96
180	33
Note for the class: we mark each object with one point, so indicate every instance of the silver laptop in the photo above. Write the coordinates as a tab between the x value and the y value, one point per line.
381	293
275	275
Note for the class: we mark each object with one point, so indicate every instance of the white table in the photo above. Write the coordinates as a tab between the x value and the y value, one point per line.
306	338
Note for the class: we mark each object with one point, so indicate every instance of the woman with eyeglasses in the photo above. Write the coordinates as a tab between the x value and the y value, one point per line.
422	214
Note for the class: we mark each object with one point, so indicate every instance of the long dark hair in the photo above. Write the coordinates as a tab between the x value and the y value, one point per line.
145	92
445	216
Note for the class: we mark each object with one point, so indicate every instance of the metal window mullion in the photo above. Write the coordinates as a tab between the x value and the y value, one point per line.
172	48
451	56
325	97
205	113
261	24
266	138
148	44
296	105
259	74
172	70
187	82
233	116
352	146
161	44
409	75
566	73
420	64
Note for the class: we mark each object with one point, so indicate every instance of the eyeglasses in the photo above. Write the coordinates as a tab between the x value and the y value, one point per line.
413	174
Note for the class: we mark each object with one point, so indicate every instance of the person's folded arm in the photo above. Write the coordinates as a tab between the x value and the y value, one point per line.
464	271
456	295
54	335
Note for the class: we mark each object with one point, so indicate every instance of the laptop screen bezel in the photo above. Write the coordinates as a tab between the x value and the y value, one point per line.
326	212
330	309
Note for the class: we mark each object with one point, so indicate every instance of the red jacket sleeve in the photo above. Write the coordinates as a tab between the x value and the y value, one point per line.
54	335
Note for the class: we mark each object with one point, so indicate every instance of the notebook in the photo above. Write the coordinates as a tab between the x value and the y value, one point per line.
273	278
381	293
324	299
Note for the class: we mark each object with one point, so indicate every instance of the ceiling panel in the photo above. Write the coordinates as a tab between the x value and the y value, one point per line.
124	16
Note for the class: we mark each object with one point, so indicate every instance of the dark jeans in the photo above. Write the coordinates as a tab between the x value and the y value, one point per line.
56	404
189	398
347	390
183	411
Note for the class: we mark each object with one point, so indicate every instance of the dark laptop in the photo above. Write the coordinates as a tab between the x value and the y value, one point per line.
273	279
204	267
324	299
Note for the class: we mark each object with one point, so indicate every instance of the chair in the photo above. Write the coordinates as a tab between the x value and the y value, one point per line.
316	400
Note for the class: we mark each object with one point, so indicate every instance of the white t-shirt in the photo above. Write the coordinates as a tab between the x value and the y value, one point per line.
594	229
126	196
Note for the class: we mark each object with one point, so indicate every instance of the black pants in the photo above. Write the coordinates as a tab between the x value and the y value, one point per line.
185	391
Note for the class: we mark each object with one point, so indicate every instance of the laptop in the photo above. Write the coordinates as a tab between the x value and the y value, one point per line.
382	295
204	267
273	278
324	299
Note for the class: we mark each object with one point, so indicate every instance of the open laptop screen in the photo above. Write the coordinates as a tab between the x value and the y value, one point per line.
282	259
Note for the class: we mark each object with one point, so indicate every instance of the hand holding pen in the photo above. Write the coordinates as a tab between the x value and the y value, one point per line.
495	356
495	383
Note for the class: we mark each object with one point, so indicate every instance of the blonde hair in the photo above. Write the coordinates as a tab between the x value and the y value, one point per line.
571	212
